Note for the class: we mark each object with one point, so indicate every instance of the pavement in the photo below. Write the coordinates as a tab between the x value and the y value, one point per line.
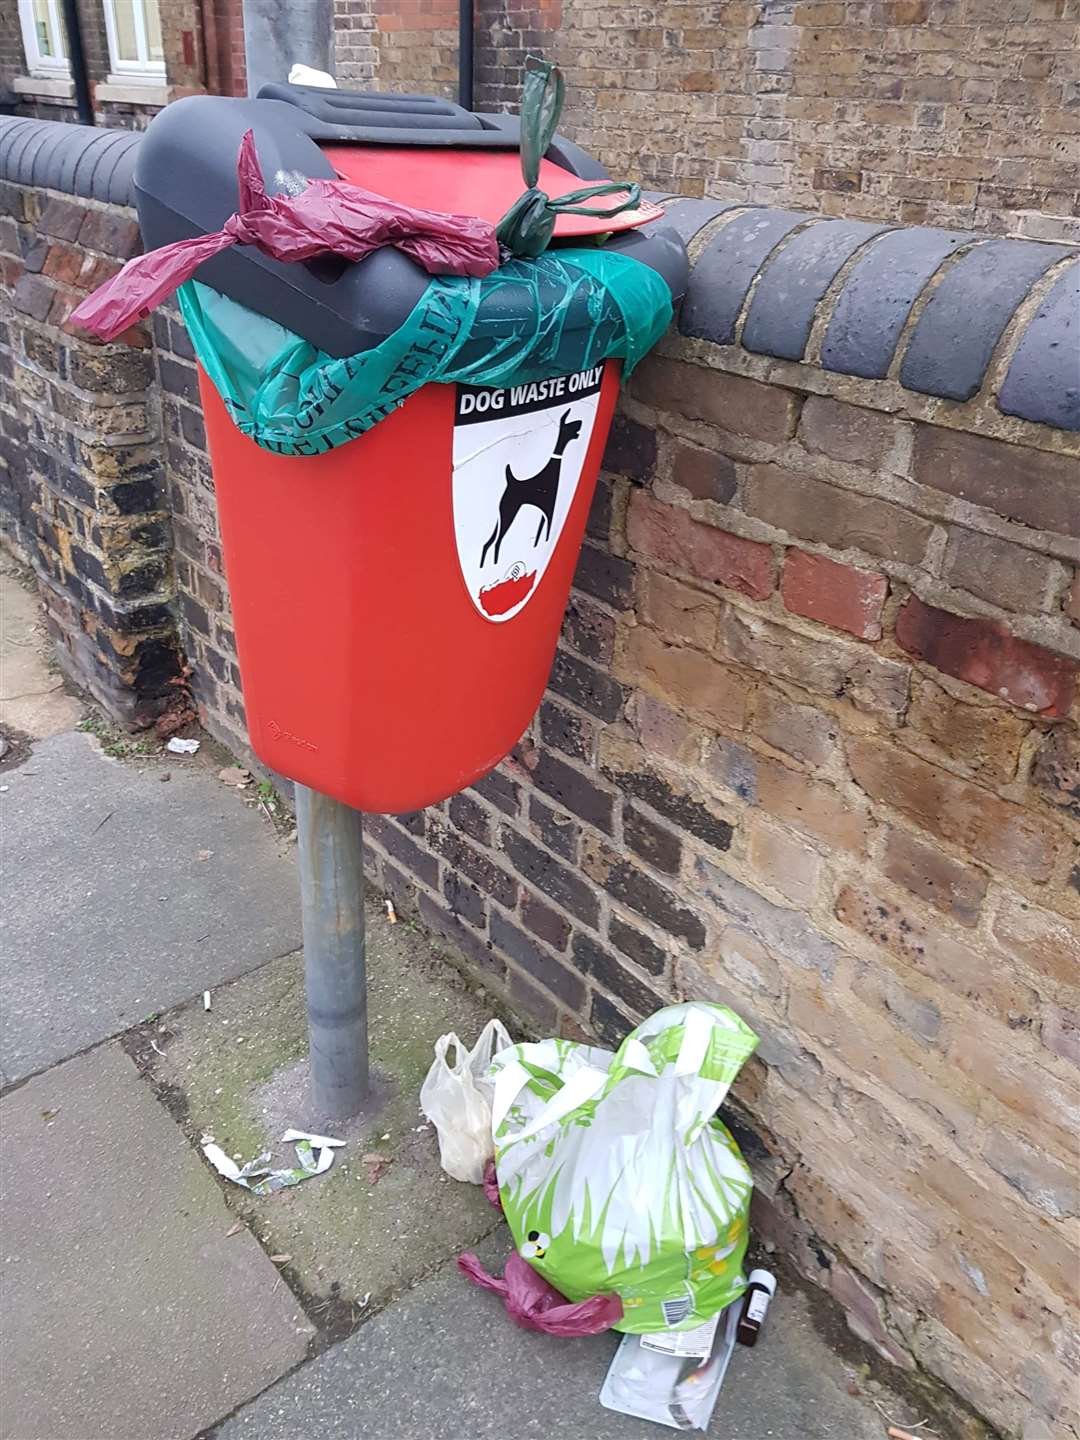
151	891
33	700
444	1363
143	1296
117	1257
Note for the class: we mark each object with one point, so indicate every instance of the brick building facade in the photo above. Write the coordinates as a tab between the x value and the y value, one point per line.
962	113
201	49
810	745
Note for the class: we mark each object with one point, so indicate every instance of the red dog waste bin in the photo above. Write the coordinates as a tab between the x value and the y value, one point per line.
397	600
397	607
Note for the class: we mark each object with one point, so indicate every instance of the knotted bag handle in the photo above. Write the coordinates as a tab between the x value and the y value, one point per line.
527	227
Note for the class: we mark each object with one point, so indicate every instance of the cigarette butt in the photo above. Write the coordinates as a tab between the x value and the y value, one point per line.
206	999
896	1434
391	913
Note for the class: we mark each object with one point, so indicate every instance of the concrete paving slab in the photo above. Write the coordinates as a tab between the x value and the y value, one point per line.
33	700
445	1363
239	1074
127	1311
123	895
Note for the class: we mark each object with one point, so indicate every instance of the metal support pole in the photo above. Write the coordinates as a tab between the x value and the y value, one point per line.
281	33
466	46
330	838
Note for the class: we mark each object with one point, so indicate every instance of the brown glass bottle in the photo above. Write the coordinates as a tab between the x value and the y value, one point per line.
761	1287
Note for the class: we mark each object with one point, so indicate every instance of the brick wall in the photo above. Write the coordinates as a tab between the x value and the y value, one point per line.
405	45
356	56
83	495
810	748
203	595
412	46
223	41
95	44
506	34
184	44
11	51
957	112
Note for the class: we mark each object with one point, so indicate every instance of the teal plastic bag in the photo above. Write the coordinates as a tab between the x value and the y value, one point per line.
565	311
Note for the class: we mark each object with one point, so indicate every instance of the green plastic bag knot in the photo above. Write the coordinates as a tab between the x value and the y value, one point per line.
527	227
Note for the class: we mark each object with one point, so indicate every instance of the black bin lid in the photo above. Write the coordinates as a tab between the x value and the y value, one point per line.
185	185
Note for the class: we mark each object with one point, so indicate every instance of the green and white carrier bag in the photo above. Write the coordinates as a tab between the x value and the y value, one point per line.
616	1175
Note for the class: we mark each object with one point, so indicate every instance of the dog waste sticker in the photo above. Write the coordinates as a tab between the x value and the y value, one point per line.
518	457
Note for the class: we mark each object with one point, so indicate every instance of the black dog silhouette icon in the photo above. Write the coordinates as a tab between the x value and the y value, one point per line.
540	490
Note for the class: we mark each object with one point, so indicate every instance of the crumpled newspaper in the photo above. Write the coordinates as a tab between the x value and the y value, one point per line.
314	1155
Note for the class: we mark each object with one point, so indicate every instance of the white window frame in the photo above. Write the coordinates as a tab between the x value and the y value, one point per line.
143	69
49	67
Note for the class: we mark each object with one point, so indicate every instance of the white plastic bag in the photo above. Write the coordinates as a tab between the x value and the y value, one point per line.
457	1097
305	75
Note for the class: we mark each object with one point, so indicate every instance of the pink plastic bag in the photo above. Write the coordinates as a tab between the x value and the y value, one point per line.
491	1185
329	217
534	1305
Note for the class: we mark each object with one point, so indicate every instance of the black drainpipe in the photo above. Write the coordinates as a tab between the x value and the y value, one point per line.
465	53
77	57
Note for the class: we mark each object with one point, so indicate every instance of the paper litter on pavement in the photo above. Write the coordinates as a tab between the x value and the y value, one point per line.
176	746
675	1390
319	1142
314	1154
697	1342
